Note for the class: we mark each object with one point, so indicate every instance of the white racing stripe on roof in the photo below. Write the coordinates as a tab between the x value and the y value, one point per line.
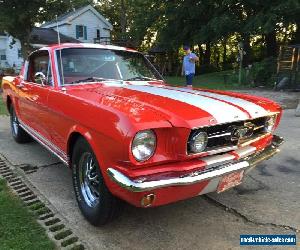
221	111
253	109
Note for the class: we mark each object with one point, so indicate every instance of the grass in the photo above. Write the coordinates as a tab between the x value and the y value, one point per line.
18	227
214	80
3	110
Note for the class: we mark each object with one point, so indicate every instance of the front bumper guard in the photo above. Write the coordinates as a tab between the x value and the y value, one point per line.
198	176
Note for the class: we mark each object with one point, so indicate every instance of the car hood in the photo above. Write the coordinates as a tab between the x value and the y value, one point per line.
182	107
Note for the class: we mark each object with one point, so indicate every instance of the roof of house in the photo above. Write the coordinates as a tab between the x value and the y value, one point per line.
67	17
48	36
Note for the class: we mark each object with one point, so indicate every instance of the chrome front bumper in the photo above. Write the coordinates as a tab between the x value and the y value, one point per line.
195	177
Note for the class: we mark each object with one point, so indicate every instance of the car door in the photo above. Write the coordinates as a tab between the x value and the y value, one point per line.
33	94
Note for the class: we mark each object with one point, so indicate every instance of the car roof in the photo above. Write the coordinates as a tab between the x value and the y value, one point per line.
86	45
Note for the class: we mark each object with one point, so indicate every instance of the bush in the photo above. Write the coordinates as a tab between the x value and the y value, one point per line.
9	71
261	73
204	69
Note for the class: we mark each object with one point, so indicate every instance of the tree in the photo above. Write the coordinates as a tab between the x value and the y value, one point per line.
131	19
118	12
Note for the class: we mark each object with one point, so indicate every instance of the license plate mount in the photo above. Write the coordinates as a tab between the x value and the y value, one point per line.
230	181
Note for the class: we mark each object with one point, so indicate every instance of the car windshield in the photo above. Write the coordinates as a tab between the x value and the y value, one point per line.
81	65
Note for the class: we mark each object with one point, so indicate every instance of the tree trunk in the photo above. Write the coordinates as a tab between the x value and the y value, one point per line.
296	35
207	54
201	54
216	56
271	44
26	48
224	56
123	19
247	49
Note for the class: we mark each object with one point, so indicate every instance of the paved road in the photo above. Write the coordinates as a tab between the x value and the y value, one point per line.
267	202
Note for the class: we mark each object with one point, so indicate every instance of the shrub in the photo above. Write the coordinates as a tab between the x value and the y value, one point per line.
261	73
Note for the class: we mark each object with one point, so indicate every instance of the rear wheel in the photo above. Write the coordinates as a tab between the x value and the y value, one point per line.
94	199
18	133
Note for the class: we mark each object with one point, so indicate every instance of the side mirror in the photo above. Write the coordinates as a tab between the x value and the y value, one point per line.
40	78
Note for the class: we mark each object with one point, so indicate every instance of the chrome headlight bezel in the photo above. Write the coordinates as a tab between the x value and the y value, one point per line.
143	145
270	123
198	142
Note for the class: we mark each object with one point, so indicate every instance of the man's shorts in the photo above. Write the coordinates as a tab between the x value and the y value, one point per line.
189	79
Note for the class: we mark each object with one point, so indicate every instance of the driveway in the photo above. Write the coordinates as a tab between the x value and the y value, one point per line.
268	202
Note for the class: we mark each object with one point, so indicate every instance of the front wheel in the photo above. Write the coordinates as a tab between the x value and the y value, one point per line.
18	133
94	199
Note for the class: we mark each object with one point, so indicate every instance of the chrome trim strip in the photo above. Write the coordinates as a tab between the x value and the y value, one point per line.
230	148
219	135
208	174
245	151
56	68
221	150
46	143
197	176
212	160
250	141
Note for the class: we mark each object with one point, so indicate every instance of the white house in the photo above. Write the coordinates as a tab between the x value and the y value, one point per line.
10	54
85	25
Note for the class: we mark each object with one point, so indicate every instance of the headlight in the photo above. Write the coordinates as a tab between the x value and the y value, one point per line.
270	123
198	142
143	145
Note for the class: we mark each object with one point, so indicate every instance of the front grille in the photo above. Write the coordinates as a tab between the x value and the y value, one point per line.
223	135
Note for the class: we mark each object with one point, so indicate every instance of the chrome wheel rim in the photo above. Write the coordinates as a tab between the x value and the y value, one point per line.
89	179
15	124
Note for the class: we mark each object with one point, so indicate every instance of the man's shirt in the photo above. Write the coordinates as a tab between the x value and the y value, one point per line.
189	66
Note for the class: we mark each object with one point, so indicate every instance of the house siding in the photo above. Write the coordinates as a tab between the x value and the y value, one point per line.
88	19
11	52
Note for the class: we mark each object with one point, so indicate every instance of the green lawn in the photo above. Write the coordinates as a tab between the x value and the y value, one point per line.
3	110
214	80
18	227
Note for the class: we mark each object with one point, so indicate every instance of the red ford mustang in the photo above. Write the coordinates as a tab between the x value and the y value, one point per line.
127	135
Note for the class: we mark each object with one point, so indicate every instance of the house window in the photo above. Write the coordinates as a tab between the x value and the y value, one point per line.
81	32
98	34
2	57
19	53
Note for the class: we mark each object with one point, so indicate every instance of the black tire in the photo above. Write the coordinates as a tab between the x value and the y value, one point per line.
18	133
106	207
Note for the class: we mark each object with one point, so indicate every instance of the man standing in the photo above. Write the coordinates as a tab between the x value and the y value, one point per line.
188	66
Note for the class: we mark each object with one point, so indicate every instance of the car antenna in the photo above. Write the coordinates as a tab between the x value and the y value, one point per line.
60	58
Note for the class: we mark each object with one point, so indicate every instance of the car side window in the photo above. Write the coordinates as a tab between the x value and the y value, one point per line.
39	68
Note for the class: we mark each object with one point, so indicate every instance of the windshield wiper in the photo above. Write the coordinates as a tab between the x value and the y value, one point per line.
89	79
141	78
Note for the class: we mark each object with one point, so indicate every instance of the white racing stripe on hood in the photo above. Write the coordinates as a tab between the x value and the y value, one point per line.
253	109
221	111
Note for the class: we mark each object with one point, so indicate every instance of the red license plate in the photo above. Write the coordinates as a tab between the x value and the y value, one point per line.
229	181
